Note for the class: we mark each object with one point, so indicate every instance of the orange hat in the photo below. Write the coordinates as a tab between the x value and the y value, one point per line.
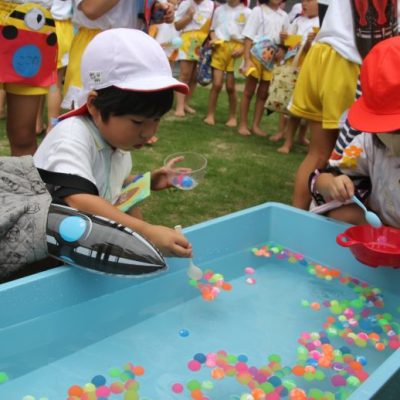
378	109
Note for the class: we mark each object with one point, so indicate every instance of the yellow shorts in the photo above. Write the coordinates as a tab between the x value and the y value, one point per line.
191	44
259	72
65	36
73	82
325	87
5	9
222	59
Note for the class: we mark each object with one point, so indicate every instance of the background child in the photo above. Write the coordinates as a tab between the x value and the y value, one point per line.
370	164
266	20
129	86
24	87
305	25
192	20
91	17
327	81
227	40
61	10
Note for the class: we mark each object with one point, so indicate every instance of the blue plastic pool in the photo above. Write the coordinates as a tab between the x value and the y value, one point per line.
310	320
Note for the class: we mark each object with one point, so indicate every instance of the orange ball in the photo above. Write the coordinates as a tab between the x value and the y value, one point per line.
75	391
138	370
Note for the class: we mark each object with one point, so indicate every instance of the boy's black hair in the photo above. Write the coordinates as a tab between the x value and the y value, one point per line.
114	101
263	2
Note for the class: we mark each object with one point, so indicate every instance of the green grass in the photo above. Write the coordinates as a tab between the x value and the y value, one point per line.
242	171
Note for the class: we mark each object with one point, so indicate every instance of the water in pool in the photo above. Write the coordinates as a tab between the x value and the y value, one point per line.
287	328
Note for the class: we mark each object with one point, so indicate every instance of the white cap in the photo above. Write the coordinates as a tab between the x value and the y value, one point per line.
128	59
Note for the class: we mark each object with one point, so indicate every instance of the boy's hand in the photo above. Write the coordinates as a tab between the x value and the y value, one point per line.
160	177
341	188
170	242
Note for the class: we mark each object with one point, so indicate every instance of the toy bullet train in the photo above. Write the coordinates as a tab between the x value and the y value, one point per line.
98	244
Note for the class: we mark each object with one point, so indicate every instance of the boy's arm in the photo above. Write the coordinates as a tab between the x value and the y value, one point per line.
170	242
94	9
185	20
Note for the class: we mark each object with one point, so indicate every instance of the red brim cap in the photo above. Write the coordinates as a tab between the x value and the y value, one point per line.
83	110
364	119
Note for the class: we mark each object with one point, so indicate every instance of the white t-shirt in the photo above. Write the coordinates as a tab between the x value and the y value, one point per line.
337	30
203	12
295	11
61	9
263	21
122	15
303	26
75	146
166	33
228	22
44	3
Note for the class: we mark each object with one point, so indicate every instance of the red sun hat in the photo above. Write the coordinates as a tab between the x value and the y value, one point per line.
378	109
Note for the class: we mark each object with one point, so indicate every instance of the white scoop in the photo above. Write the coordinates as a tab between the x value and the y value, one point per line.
194	272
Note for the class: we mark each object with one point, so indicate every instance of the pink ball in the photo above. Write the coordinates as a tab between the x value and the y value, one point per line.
177	388
249	270
103	391
194	365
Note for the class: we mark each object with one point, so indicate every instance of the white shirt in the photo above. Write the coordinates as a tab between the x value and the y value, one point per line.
303	26
228	22
122	15
296	10
362	158
76	147
263	21
166	33
337	30
203	12
61	9
44	3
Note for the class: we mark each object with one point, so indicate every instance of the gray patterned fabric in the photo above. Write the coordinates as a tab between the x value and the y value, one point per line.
24	204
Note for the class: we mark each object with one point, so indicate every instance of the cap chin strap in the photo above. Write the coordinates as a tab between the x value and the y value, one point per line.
392	142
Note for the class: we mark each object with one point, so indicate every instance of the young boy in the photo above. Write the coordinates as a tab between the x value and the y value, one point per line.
127	88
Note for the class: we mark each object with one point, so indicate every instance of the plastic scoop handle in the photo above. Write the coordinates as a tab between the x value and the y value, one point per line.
371	217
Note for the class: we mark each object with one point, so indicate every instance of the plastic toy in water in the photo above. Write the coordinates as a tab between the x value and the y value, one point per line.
184	182
373	246
99	245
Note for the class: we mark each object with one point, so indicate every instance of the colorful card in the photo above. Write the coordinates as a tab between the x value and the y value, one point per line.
134	191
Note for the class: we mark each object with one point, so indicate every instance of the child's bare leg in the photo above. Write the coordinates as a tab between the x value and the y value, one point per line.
218	80
350	213
40	126
192	88
2	104
54	99
283	119
185	75
261	98
321	145
248	93
302	133
232	100
21	126
291	129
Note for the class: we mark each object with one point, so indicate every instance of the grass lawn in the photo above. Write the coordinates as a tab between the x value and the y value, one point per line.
242	171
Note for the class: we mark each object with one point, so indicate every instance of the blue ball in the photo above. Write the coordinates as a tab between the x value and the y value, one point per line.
243	358
200	357
99	380
187	182
184	333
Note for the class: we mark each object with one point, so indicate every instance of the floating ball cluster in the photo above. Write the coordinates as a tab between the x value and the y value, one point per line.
123	382
211	285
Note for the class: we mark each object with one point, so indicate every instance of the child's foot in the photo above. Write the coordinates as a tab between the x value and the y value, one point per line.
231	123
209	120
152	140
244	131
304	141
283	150
180	114
259	132
277	137
190	110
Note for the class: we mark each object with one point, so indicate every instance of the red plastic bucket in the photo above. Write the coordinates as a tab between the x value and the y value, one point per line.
373	246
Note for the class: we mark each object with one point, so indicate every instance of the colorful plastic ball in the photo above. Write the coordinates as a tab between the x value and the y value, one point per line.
177	388
184	333
200	357
187	182
98	380
176	42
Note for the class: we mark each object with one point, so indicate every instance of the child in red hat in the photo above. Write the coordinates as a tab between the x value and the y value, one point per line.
370	164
